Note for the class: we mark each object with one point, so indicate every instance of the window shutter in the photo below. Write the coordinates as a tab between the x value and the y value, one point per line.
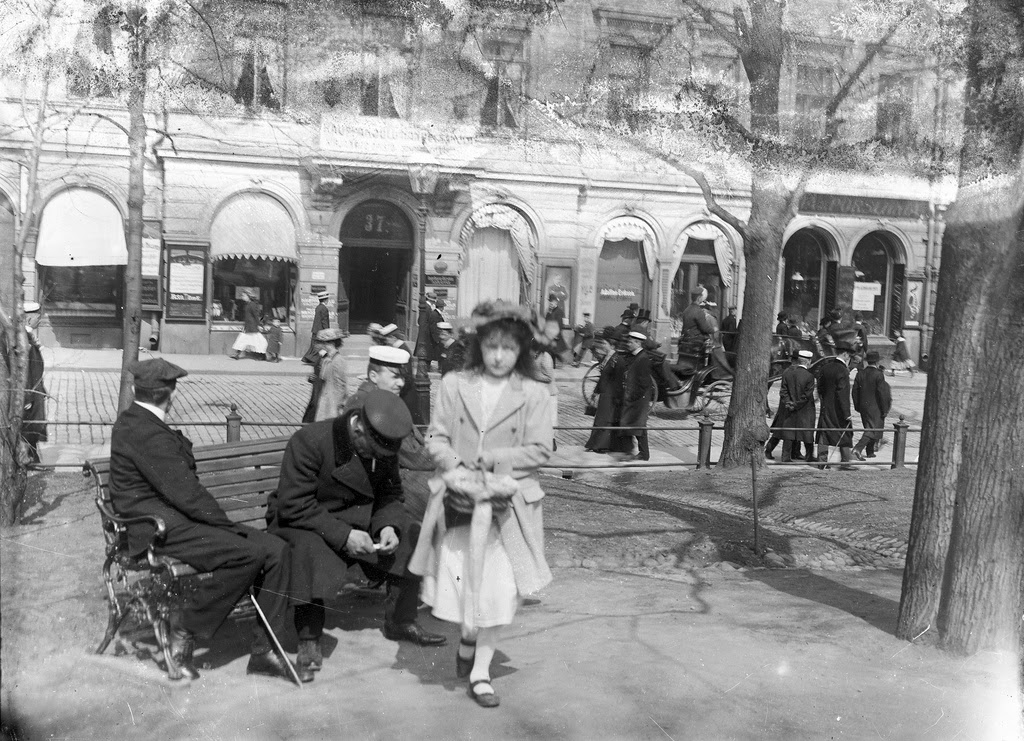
896	299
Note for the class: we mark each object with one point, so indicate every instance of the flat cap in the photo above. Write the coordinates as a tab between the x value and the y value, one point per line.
388	329
387	355
387	419
638	335
872	357
845	346
156	373
441	303
329	335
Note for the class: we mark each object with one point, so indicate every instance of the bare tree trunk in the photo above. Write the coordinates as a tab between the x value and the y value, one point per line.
14	366
745	427
136	196
964	577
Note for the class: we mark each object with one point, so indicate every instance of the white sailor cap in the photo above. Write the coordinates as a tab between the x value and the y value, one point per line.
388	329
444	325
31	307
384	355
638	335
322	295
805	353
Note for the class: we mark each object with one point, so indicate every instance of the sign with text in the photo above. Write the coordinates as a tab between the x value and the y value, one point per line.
846	205
186	283
437	281
151	274
864	295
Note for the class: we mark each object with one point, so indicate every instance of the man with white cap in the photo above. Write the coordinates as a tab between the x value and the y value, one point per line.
153	473
333	375
452	355
637	393
385	371
796	410
389	336
321	321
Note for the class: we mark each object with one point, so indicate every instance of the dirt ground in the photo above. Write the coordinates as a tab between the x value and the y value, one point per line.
667	543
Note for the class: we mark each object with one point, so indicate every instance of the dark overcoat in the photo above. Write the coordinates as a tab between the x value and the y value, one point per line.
609	408
872	398
33	426
252	316
325	491
834	393
796	405
637	392
321	318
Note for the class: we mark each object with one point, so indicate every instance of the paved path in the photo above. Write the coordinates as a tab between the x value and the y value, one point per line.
83	387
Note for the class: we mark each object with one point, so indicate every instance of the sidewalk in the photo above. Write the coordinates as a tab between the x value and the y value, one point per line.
610	651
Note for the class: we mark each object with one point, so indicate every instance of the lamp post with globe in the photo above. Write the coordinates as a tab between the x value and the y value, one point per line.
423	176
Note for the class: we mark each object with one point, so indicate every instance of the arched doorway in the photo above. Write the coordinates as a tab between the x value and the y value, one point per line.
624	268
702	256
374	264
807	290
499	258
878	284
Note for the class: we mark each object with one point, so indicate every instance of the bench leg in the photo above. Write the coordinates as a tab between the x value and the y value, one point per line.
115	614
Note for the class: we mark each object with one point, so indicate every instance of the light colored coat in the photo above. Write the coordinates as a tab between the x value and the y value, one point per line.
518	434
335	388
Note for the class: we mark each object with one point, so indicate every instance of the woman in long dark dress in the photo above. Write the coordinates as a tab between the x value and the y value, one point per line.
609	409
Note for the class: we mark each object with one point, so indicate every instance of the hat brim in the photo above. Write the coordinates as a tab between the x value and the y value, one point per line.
382	446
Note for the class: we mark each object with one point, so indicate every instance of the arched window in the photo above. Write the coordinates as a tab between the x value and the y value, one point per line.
873	282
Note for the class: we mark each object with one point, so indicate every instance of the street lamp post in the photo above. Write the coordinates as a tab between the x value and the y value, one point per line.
423	175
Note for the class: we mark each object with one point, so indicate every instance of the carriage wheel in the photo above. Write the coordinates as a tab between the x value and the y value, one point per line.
589	385
713	400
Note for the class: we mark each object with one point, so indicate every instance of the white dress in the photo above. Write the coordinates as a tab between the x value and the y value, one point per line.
498	599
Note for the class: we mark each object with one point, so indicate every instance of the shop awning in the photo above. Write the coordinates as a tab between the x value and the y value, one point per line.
635	230
253	225
81	227
712	233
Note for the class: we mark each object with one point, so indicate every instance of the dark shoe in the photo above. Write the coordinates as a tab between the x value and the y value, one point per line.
183	644
860	456
269	664
484	699
464	666
309	655
234	356
413	633
768	456
870	455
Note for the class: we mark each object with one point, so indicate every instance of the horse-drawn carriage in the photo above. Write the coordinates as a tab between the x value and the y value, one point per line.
705	380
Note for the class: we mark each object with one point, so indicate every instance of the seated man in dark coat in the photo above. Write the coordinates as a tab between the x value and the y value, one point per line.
153	472
339	502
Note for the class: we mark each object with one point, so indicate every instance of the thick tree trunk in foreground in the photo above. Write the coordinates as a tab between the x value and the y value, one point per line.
745	426
136	195
964	577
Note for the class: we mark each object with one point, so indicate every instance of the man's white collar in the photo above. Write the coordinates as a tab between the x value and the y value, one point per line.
160	413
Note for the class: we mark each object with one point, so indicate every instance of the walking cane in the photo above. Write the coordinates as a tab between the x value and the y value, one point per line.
273	637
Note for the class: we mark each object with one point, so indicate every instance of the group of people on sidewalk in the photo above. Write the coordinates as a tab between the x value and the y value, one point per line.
794	422
475	550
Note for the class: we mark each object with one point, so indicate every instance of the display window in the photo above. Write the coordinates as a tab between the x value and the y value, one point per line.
271	282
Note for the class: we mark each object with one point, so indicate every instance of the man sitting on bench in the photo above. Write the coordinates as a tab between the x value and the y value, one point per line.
153	472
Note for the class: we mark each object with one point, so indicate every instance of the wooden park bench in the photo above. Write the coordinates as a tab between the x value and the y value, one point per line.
240	476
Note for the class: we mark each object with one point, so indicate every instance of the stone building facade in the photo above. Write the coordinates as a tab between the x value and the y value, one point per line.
437	158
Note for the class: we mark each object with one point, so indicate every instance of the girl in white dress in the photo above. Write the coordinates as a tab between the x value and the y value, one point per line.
490	431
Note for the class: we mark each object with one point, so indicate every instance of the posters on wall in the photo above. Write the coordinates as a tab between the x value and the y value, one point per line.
864	293
186	283
912	316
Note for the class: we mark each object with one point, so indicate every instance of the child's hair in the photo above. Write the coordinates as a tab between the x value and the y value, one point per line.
512	327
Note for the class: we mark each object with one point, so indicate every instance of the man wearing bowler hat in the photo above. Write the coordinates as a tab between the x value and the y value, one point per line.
339	501
153	472
873	399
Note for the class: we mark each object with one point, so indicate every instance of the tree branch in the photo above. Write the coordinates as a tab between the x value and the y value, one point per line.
709	197
734	38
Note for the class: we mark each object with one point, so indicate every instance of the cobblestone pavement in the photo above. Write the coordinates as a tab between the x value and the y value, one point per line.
271	399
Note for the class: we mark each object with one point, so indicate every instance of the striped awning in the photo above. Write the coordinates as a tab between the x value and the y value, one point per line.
81	227
253	225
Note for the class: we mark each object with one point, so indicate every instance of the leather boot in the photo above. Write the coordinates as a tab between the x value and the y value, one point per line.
310	655
847	457
183	644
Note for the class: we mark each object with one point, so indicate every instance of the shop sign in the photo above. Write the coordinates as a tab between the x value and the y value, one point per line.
846	205
186	283
151	273
616	293
864	295
438	281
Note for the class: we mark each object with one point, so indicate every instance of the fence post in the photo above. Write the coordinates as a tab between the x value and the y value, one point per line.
899	442
234	426
704	441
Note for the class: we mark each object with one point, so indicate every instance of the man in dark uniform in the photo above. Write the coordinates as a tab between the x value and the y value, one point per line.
339	502
33	426
834	425
697	326
624	327
453	351
153	472
321	320
873	399
730	326
582	340
637	394
389	336
796	408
